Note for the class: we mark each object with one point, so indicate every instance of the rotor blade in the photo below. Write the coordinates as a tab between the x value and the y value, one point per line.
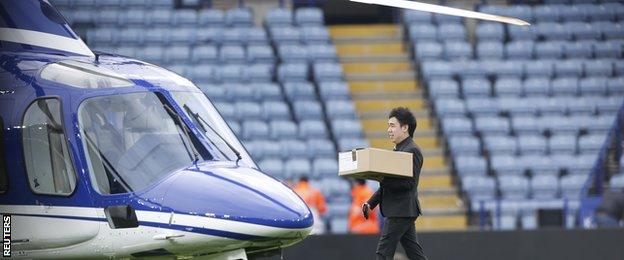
418	6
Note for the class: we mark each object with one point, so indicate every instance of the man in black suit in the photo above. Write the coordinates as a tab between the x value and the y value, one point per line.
397	196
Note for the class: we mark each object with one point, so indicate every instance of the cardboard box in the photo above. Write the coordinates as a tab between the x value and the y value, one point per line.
373	164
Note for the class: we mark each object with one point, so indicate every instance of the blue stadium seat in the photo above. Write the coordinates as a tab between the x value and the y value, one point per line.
610	105
428	50
321	53
553	31
320	147
336	90
615	86
517	33
569	68
215	93
312	129
267	92
608	49
549	50
239	17
203	73
564	86
299	91
283	129
490	31
599	12
492	125
593	85
522	49
573	13
506	165
305	16
107	18
292	72
256	36
490	50
464	145
226	110
273	167
457	50
482	106
161	17
617	181
285	35
296	168
417	17
547	13
443	88
451	107
475	87
545	186
232	54
571	185
177	54
578	49
127	51
185	17
580	106
539	164
278	17
591	144
601	124
238	92
532	144
539	68
508	87
130	37
132	17
292	53
324	167
349	143
560	125
500	145
181	36
598	67
537	86
479	187
246	110
275	110
340	109
260	72
260	54
552	106
292	148
307	109
326	71
254	129
208	35
514	187
422	32
611	30
204	54
583	31
315	35
447	19
437	69
470	165
211	18
457	126
231	73
350	128
503	68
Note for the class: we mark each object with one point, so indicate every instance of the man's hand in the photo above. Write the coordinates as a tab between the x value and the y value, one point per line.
365	210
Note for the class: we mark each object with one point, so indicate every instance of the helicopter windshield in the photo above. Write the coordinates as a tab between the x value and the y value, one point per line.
132	141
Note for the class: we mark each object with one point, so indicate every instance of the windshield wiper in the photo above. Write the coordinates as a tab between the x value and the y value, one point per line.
203	123
186	131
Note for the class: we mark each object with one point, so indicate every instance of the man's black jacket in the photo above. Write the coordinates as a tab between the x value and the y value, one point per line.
398	196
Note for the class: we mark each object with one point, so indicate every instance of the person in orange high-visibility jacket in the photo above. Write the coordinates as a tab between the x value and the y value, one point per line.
357	223
315	200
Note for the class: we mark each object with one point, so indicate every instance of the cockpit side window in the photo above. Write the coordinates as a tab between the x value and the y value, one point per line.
3	171
46	153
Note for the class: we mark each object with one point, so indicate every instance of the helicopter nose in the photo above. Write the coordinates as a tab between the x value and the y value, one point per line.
241	197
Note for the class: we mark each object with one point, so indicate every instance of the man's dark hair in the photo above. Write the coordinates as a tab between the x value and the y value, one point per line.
405	117
304	178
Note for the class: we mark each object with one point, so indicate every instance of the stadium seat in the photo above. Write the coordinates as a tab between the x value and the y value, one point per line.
283	129
500	145
312	129
299	91
513	187
307	109
470	165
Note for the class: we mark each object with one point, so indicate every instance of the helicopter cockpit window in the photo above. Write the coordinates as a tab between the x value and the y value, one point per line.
48	161
3	172
132	141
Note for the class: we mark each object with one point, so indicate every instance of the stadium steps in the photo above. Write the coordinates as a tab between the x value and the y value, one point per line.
376	63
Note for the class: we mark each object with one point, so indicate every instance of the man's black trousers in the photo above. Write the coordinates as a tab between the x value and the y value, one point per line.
403	230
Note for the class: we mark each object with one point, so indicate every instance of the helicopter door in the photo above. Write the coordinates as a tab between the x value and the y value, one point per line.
54	222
